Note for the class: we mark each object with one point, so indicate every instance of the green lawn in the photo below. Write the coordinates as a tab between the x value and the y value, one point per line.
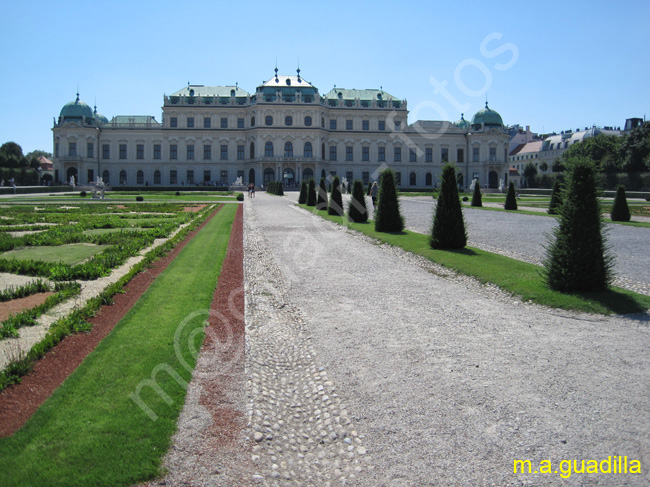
68	254
90	432
514	276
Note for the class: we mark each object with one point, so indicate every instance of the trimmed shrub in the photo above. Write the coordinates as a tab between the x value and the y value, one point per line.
556	200
321	203
620	211
576	259
178	193
336	200
311	194
477	199
302	199
240	197
357	210
387	216
511	199
369	191
83	194
448	231
139	198
465	198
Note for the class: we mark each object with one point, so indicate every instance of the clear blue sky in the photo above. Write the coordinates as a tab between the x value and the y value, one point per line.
551	65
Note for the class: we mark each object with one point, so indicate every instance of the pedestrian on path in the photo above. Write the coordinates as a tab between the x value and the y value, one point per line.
374	192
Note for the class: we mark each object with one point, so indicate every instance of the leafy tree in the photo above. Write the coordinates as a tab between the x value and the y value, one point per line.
302	198
544	166
576	260
636	149
387	216
477	200
357	211
556	199
530	171
511	199
336	201
558	165
311	195
620	210
448	231
11	156
322	195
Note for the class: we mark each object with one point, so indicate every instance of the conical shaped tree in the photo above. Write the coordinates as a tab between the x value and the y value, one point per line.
576	258
620	210
556	200
448	230
511	199
336	200
357	211
302	198
321	203
387	215
477	200
311	193
369	190
280	189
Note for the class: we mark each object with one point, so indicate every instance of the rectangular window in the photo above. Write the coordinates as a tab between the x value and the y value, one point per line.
365	153
139	151
190	151
493	154
207	122
412	156
332	153
444	154
460	155
475	154
173	151
308	150
224	152
240	152
173	177
139	178
156	151
365	175
348	154
224	123
90	149
398	178
106	151
381	155
428	154
156	177
398	154
382	125
349	176
348	125
122	151
240	123
365	125
91	176
206	175
190	122
224	177
207	152
173	122
333	124
72	149
190	176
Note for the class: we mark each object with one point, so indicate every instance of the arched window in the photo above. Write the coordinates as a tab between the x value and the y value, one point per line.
252	150
288	149
288	120
307	121
309	152
122	176
252	121
156	177
412	179
307	174
106	177
268	149
428	179
269	175
139	177
288	176
268	120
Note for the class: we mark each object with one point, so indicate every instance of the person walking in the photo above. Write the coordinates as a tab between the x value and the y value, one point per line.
374	192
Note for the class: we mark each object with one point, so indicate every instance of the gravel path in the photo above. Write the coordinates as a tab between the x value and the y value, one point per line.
443	381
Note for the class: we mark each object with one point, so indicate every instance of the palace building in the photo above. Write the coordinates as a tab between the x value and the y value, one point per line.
286	130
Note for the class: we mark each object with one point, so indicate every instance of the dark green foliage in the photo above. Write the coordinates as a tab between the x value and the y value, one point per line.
369	191
620	211
477	199
556	200
511	199
336	200
576	260
302	199
448	230
178	193
139	198
28	289
240	196
357	211
275	187
311	195
387	215
83	194
321	203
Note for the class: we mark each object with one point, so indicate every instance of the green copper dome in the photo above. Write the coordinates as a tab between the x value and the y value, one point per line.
462	123
486	117
76	110
99	117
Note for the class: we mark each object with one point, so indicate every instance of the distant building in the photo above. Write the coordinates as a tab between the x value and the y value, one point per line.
519	136
47	169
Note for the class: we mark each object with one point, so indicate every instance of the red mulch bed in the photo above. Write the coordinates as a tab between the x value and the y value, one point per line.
18	402
15	306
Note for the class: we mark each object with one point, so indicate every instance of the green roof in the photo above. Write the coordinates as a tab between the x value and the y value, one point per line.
76	110
200	90
133	119
353	94
487	116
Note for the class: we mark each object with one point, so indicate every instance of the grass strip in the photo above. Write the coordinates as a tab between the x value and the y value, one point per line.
90	432
514	276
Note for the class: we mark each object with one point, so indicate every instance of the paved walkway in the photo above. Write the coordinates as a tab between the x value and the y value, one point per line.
369	366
